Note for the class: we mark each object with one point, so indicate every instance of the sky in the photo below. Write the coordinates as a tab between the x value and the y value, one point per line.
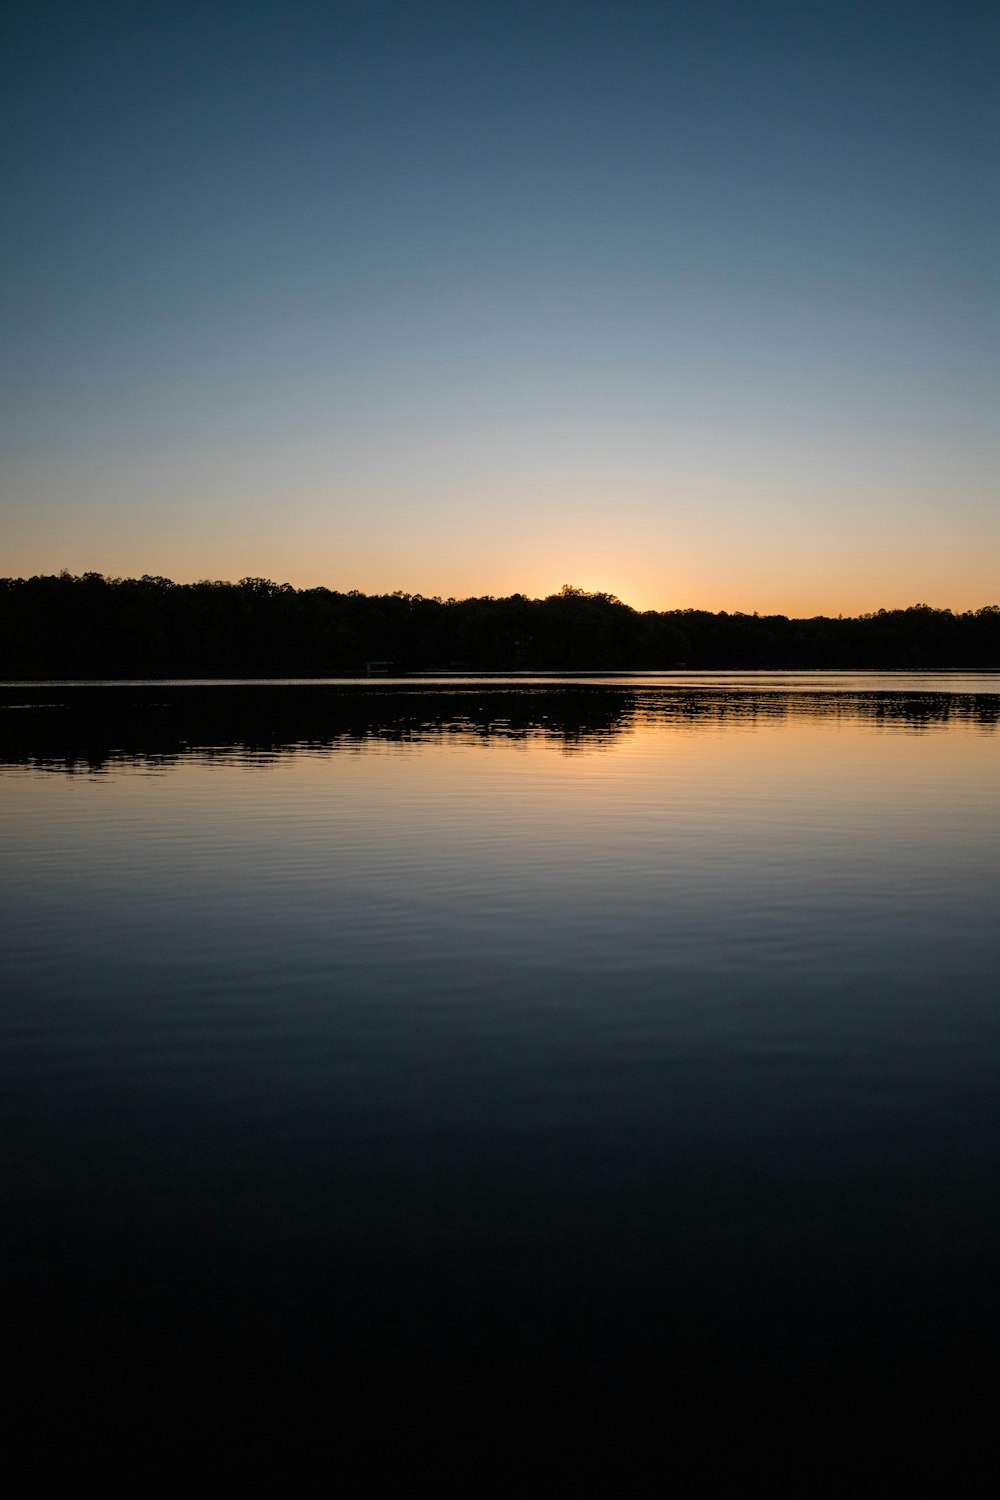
693	303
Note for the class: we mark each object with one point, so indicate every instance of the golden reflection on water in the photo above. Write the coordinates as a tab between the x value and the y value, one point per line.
628	1015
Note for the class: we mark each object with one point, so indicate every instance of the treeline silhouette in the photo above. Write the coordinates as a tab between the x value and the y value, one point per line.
87	626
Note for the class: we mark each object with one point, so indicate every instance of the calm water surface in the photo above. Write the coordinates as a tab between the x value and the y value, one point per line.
493	1034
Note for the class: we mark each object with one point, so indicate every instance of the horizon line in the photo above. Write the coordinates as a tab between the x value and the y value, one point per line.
566	590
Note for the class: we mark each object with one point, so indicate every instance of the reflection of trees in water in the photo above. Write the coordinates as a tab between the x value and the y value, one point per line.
81	727
915	710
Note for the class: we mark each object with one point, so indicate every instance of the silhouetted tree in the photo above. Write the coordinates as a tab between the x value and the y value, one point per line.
59	625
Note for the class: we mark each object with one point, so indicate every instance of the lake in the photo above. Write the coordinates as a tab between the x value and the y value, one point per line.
375	1041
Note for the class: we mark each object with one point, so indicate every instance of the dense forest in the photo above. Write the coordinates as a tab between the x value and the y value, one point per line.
90	626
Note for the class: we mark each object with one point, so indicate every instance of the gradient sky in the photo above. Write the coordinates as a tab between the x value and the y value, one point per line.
693	302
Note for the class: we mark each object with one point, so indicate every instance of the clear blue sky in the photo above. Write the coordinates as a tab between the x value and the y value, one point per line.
692	302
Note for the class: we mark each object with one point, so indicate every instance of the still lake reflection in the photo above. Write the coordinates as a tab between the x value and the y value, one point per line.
480	1034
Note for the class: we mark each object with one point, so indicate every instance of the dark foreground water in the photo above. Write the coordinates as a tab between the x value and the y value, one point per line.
461	1042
